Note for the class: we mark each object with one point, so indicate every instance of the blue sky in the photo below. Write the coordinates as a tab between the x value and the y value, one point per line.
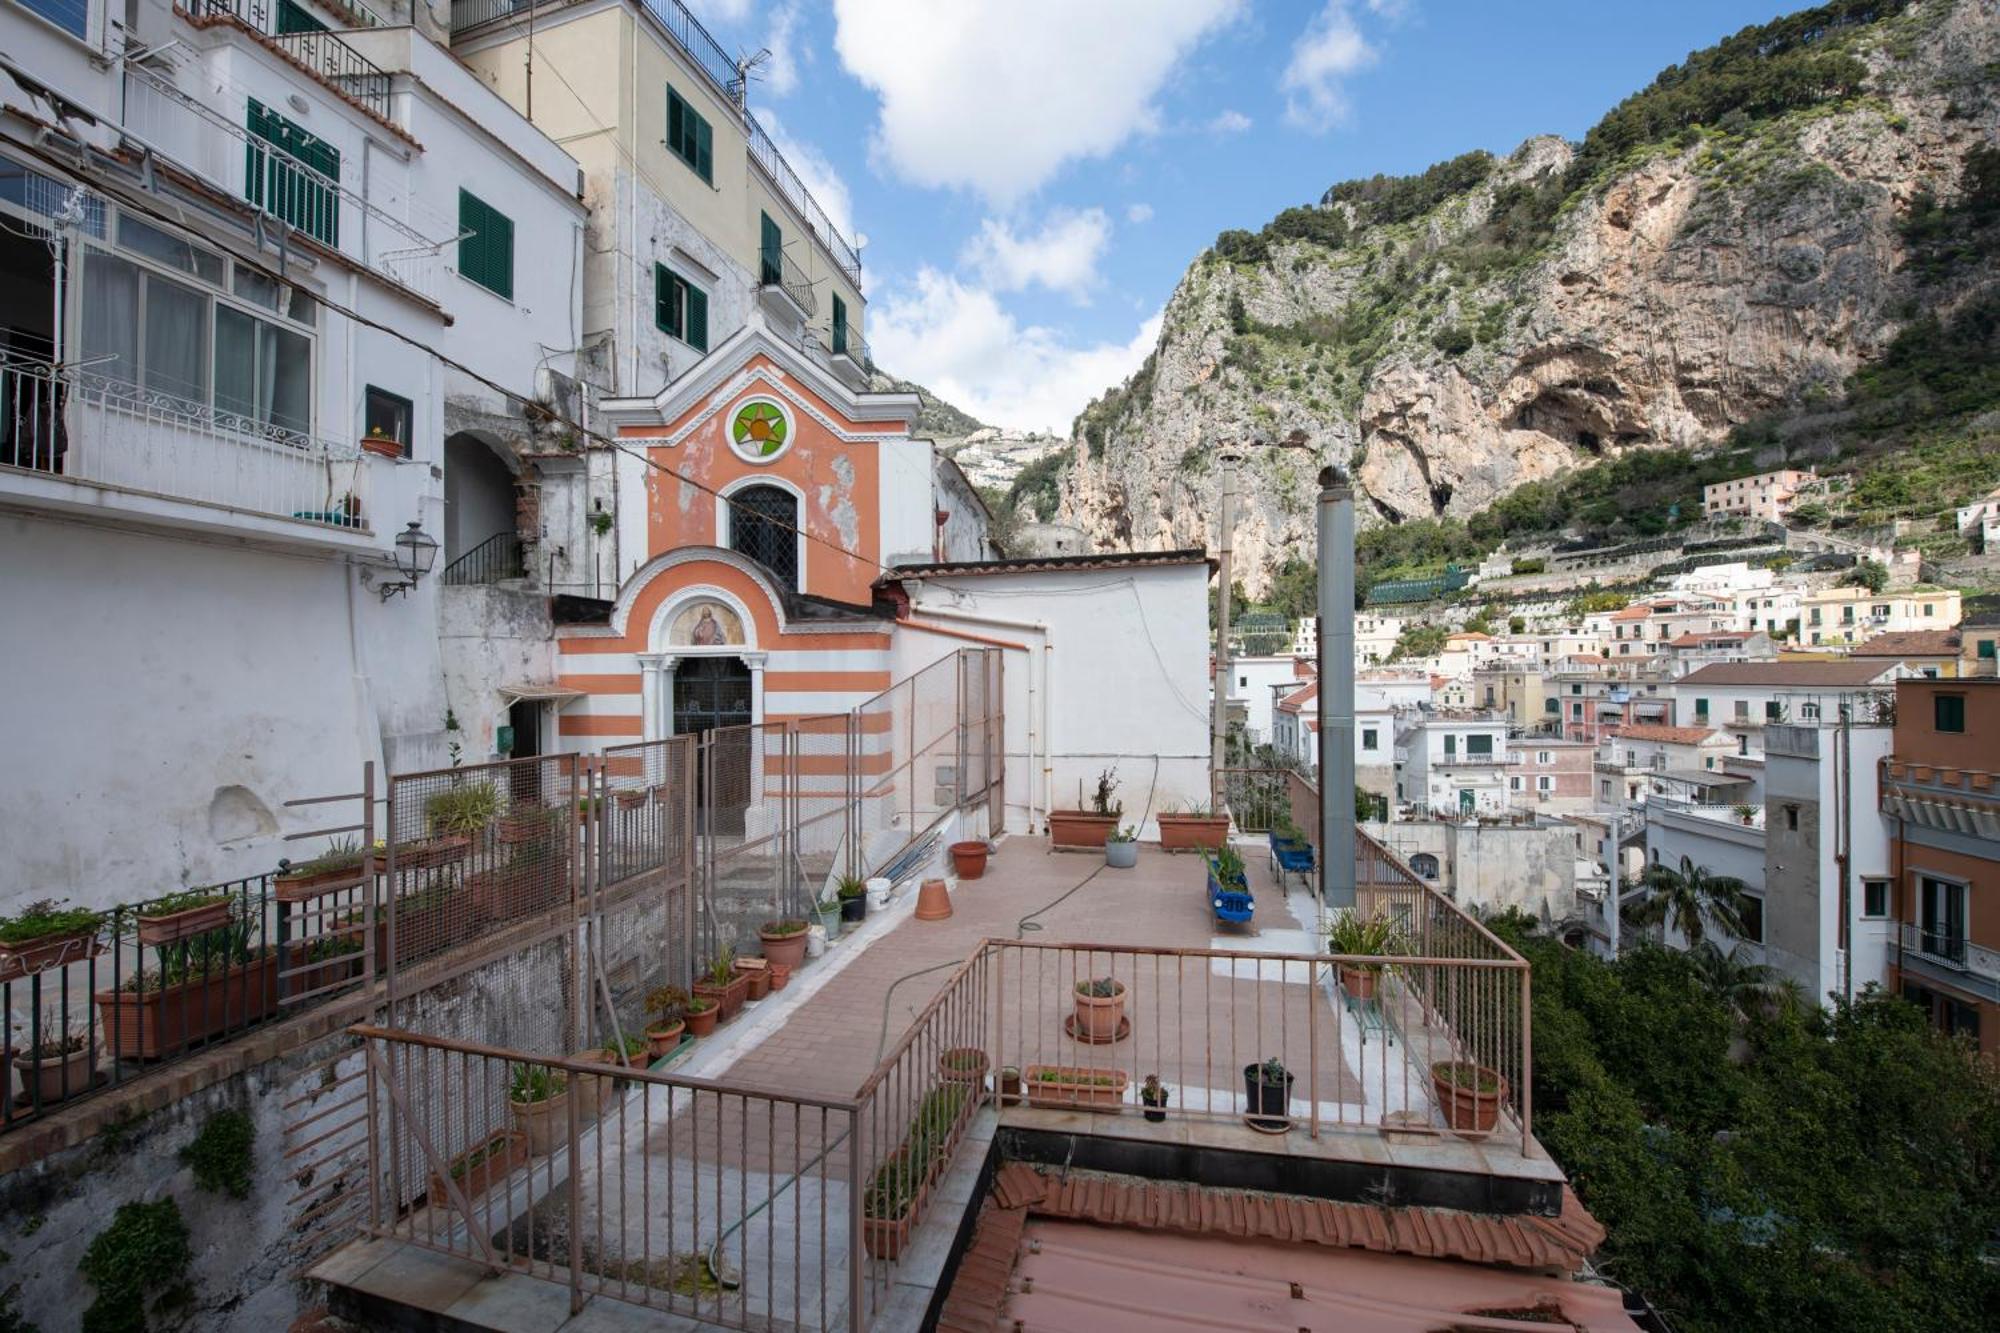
1032	177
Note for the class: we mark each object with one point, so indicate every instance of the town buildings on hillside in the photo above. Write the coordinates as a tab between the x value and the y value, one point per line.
1768	495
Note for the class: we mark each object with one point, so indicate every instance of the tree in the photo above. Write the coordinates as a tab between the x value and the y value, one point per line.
1746	987
1419	641
1870	574
1691	901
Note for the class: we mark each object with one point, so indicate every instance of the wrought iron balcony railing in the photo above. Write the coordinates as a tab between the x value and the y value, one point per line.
321	51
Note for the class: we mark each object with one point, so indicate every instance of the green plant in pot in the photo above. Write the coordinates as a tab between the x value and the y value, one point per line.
701	1016
1267	1087
1100	1009
1121	848
853	895
666	1007
47	934
1153	1094
1468	1095
784	942
1226	866
721	983
632	1051
463	811
538	1096
1351	934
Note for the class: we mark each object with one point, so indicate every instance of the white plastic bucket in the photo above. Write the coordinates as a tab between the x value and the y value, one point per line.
878	892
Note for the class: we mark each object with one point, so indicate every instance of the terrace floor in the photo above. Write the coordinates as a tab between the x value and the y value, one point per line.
1195	1022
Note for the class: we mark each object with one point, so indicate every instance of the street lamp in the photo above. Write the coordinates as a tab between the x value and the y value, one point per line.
416	552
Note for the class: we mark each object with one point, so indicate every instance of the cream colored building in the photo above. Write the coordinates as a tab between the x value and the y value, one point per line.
1855	615
1768	495
695	214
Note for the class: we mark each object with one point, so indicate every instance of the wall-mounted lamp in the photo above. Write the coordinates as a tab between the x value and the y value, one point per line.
416	552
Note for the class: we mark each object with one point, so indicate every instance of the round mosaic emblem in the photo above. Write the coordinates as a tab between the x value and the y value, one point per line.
760	431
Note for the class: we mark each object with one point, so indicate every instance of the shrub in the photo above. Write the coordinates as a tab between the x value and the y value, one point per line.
139	1266
220	1155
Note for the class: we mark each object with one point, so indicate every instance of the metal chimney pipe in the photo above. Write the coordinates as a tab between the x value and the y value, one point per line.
1336	688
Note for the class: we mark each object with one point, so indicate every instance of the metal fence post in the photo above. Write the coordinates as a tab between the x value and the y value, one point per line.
958	717
575	1209
857	1315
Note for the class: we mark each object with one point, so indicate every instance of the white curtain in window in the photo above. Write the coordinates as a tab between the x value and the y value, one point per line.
111	316
175	359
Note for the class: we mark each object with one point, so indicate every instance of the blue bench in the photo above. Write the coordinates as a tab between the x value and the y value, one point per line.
1290	858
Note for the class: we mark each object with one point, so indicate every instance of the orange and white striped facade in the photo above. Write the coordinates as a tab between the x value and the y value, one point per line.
756	413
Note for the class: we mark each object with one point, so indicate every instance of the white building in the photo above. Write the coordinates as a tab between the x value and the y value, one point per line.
1256	684
1743	698
230	265
1980	522
1452	762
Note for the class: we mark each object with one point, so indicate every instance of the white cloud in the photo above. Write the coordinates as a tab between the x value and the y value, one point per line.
1330	49
956	340
997	95
781	73
723	11
1229	122
817	172
1138	213
1062	256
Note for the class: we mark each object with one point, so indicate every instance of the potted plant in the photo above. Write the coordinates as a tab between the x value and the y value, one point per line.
176	916
538	1096
1066	1086
701	1015
632	1051
484	1165
375	442
667	1006
1468	1094
721	984
828	910
587	806
529	823
1267	1087
889	1206
1285	832
781	976
1746	814
46	934
632	798
1225	867
1010	1085
968	858
963	1064
1357	936
340	866
1193	826
784	942
199	987
1092	822
463	811
756	976
56	1066
853	894
1100	1008
1121	849
1154	1094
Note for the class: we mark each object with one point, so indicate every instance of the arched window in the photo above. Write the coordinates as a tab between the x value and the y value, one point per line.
1425	864
763	524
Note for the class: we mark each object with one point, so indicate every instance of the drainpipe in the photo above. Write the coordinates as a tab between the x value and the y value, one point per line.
1040	627
1336	688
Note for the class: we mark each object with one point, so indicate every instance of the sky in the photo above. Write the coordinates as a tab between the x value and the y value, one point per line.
1031	178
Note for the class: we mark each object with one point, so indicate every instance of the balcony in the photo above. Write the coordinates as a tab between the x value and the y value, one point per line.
784	290
1953	957
851	359
320	52
79	441
1954	800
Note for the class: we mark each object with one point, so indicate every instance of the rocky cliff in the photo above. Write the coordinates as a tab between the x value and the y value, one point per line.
1726	245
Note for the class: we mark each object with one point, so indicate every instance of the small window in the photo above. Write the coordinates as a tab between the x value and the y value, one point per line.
1542	758
1875	897
1701	710
1792	818
689	137
839	327
1773	710
770	251
1930	608
1989	649
680	308
486	247
1545	783
1425	864
1513	784
1479	746
1243	682
1753	918
1949	712
387	416
1370	739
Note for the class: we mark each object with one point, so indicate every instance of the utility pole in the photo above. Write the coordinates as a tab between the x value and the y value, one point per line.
1336	688
1612	906
1225	542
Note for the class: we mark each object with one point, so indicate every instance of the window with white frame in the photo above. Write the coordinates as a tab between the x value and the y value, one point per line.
187	321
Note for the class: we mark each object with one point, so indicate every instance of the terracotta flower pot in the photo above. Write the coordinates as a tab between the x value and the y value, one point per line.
786	949
482	1166
303	886
728	998
756	976
884	1238
55	1080
545	1122
47	952
424	853
1181	833
382	445
963	1064
660	1042
157	1021
781	976
1468	1108
933	901
1066	1086
1080	828
969	859
170	926
1358	982
1097	1017
702	1023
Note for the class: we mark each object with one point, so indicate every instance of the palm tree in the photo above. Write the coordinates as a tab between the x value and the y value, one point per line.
1692	901
1741	984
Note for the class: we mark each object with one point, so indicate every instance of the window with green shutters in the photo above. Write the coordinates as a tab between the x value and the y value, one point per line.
689	136
296	183
839	326
486	254
680	308
770	252
294	17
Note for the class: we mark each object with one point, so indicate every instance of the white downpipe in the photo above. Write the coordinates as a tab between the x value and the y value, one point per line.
1040	627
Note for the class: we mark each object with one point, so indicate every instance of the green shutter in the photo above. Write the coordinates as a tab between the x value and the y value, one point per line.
704	160
697	319
770	252
293	17
274	182
676	122
839	326
486	255
666	301
689	136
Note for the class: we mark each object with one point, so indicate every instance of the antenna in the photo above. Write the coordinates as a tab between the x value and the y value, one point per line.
747	68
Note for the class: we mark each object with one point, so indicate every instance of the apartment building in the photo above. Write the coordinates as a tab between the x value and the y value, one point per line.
1550	775
1942	796
1523	694
284	339
1979	641
1848	615
1452	762
1643	629
697	216
1638	758
1742	698
1691	652
1932	653
1594	699
1768	495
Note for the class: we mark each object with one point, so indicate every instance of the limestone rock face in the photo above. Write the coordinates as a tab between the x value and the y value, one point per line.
1719	280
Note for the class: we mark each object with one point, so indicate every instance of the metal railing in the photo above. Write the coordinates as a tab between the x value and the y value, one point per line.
783	272
153	984
850	344
93	427
765	153
1257	797
321	52
494	560
1951	950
